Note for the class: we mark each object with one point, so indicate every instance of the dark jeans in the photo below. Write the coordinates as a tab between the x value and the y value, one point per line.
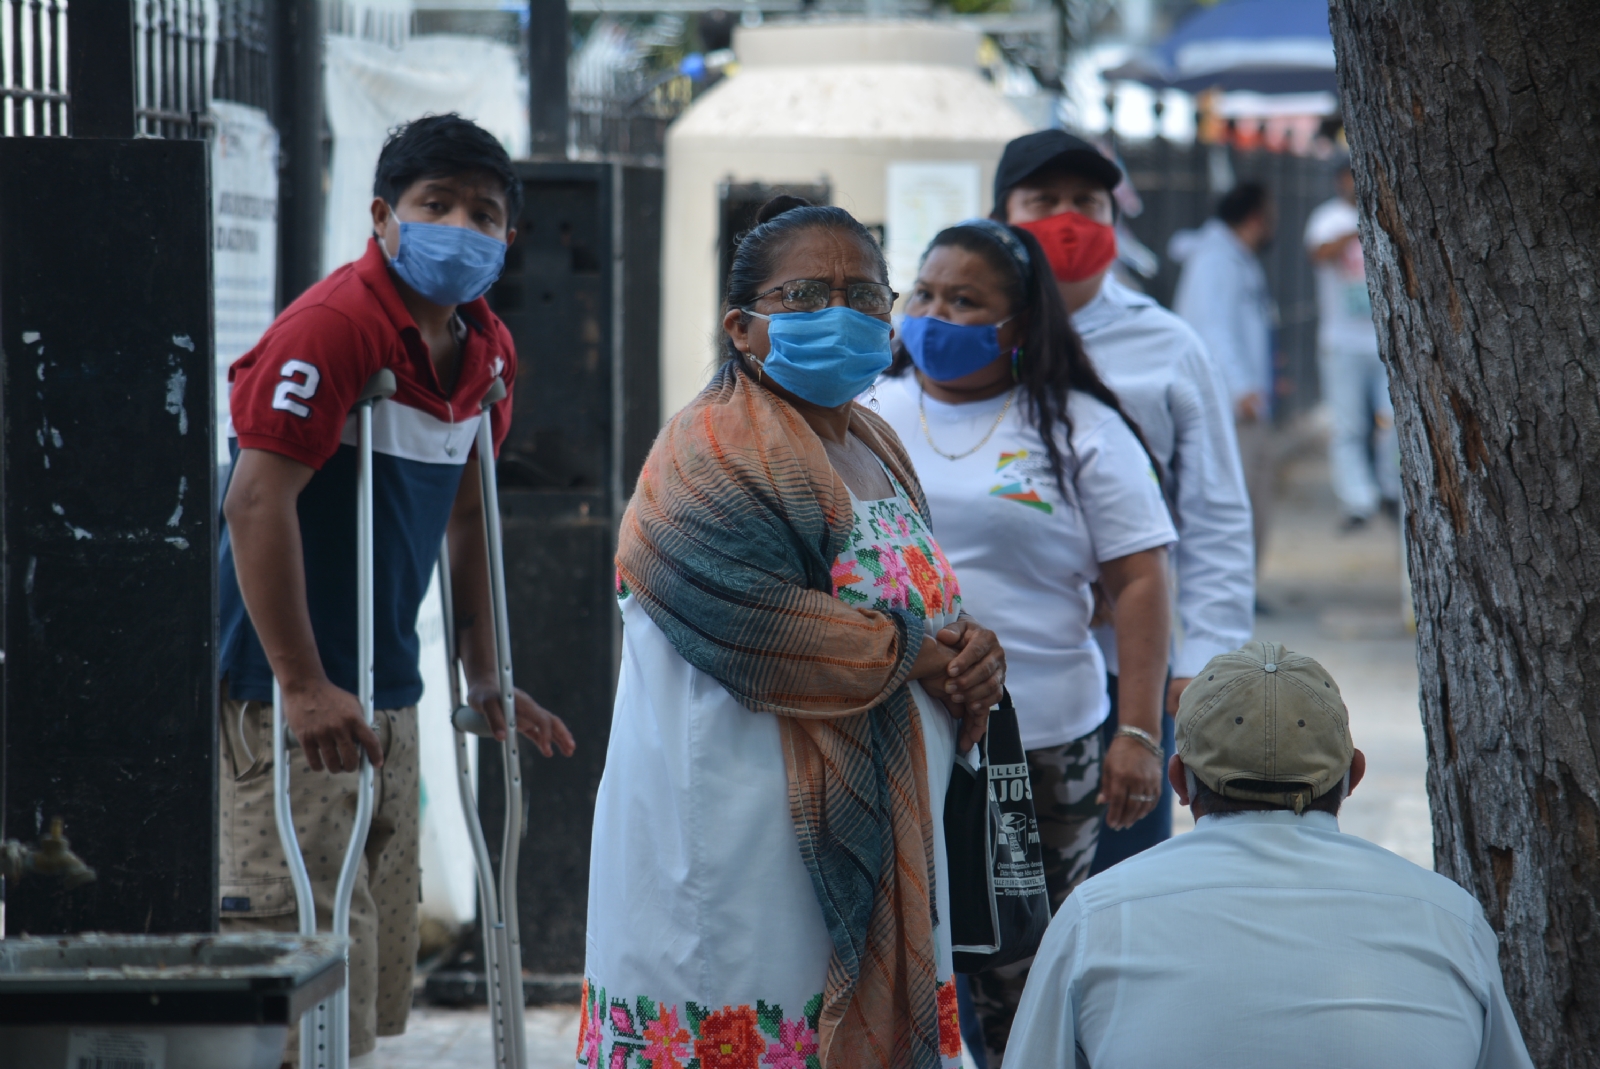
1156	826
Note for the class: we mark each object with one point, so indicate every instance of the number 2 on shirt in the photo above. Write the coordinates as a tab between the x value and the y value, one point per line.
288	389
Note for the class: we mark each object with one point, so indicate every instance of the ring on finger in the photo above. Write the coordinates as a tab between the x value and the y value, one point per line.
1143	797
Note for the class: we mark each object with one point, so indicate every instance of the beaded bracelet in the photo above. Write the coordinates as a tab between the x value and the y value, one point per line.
1145	739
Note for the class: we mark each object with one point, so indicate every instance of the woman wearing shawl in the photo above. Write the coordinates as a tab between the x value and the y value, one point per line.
767	880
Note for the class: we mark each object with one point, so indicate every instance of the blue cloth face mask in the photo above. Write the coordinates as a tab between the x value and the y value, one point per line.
948	351
826	357
448	265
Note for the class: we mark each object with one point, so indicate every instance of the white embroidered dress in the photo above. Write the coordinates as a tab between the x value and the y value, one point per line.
705	941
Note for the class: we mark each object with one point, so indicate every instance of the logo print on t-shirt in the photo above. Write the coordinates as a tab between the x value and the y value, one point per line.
1021	492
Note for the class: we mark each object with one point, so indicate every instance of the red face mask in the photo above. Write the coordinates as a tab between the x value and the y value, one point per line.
1076	246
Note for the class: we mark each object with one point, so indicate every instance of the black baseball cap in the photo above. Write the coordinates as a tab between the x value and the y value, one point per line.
1031	153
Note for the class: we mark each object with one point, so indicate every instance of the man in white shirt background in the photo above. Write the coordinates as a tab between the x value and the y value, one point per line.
1222	293
1266	937
1363	450
1159	370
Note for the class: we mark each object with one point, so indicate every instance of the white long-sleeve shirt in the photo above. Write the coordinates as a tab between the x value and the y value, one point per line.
1158	368
1222	294
1263	940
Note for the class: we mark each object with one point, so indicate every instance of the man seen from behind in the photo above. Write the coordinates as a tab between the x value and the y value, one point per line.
1266	937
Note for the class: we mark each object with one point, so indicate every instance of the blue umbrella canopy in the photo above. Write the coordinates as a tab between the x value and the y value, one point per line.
1264	46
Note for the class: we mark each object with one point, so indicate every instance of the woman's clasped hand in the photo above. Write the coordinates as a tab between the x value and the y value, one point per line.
973	679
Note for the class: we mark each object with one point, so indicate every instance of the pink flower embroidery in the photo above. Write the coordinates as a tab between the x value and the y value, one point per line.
951	585
619	1056
844	575
668	1040
794	1044
590	1028
895	582
904	524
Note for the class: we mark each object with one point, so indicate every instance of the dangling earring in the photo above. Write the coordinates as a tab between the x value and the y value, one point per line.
1016	364
872	397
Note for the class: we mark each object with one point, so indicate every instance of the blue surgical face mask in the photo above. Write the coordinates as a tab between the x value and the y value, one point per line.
448	265
948	351
826	357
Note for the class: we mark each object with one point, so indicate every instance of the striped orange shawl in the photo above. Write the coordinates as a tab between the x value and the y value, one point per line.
728	545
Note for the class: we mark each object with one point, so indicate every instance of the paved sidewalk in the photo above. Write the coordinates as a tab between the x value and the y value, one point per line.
1336	597
439	1038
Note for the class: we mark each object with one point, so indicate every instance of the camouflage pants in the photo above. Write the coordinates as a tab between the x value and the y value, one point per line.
1065	780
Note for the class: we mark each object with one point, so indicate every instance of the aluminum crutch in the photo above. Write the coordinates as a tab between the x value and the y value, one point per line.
488	897
502	940
325	1038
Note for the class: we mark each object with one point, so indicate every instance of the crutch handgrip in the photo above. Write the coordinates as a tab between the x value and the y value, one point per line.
469	721
496	394
380	387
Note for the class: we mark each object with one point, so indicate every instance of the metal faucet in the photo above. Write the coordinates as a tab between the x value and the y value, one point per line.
51	858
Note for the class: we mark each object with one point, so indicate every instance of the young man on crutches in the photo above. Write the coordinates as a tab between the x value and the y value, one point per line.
446	201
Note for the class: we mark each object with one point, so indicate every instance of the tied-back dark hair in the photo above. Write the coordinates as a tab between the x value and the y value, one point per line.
1051	360
439	146
755	257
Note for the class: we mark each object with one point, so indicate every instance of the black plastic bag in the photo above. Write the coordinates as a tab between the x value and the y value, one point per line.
999	908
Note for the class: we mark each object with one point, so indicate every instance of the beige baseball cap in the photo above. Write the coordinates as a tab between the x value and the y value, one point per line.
1265	724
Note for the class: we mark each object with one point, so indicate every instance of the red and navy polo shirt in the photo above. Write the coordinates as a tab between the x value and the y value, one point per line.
292	395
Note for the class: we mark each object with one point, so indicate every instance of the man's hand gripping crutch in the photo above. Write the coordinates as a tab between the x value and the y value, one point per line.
473	549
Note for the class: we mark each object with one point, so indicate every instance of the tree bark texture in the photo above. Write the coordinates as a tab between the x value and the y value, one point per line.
1475	134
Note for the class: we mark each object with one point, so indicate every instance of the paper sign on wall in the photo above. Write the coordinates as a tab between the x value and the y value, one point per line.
244	254
923	198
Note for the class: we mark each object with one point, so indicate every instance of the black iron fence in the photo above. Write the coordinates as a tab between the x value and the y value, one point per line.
180	64
241	69
628	125
170	67
1180	186
33	53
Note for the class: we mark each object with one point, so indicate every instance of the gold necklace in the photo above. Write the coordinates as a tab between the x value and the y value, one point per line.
922	411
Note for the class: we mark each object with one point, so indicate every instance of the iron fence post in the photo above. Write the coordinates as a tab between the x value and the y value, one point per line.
548	43
100	68
297	113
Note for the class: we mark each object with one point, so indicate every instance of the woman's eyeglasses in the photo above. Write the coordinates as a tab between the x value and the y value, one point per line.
811	295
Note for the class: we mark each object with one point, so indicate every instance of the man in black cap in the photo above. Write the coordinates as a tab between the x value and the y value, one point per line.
1059	188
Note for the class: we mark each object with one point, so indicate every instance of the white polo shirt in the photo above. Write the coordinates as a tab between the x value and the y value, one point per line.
1265	940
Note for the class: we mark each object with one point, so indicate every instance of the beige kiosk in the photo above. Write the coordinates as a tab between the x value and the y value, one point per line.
890	120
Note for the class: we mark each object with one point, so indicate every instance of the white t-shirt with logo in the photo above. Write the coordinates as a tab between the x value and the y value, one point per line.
1344	308
1023	554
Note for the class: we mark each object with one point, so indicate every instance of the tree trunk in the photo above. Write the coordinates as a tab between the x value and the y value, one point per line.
1475	131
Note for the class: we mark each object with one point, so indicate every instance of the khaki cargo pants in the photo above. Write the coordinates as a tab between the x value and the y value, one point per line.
257	894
